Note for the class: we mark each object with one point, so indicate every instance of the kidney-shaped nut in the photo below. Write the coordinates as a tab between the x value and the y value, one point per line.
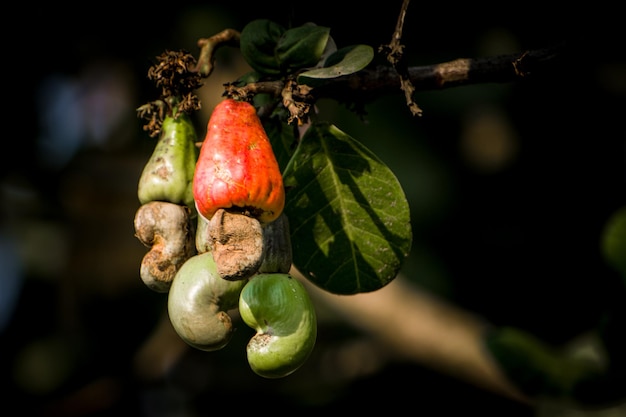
237	244
279	308
165	228
198	303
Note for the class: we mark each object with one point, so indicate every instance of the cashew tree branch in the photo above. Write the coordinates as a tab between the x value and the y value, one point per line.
371	83
382	80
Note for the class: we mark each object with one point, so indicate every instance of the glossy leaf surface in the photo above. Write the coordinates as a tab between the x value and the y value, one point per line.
302	46
258	44
349	216
345	61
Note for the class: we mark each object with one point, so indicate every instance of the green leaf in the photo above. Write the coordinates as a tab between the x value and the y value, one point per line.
349	217
302	46
257	44
345	61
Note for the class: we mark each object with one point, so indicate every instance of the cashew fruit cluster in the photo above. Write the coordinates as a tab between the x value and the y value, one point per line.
219	240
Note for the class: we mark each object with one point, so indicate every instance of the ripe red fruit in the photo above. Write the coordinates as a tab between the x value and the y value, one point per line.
237	169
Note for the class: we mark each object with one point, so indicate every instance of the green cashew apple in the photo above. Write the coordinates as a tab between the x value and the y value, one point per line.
168	174
279	308
198	303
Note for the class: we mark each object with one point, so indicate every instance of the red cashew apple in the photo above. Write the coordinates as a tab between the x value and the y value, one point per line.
237	169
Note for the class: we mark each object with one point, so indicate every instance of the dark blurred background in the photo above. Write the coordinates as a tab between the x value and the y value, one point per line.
509	187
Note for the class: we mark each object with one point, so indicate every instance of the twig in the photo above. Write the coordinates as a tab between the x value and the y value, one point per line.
208	47
274	88
295	98
395	56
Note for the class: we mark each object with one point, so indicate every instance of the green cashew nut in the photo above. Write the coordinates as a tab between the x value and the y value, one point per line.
279	308
198	302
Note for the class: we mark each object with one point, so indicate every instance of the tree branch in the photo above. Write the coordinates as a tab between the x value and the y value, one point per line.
372	83
369	84
209	46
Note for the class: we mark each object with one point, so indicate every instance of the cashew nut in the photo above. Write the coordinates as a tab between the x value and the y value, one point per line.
237	244
279	308
198	302
165	228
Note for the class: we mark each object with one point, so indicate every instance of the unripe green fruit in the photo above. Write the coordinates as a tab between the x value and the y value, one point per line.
198	302
279	308
168	174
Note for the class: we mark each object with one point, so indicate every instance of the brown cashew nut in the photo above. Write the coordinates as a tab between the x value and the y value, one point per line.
198	303
166	229
237	244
